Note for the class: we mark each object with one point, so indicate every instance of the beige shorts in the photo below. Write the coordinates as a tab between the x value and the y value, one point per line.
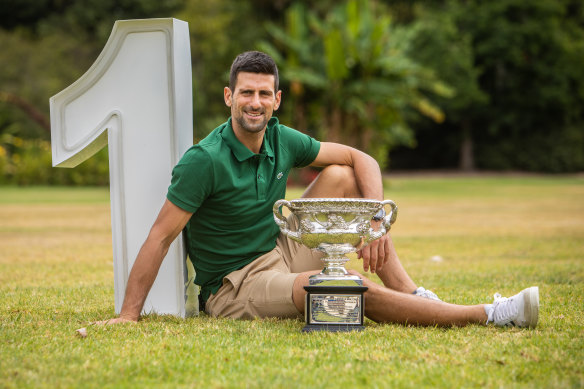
264	287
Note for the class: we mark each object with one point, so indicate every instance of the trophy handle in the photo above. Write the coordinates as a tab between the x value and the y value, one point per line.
282	222
388	220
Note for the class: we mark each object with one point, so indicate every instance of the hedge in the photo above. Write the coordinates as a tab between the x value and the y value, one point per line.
28	162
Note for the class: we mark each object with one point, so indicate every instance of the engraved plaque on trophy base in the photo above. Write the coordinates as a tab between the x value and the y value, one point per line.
334	308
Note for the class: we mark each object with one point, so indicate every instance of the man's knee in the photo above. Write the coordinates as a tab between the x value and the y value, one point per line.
298	292
335	181
339	173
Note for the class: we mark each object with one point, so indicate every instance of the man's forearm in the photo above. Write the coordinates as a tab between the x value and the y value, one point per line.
141	278
365	167
368	175
170	222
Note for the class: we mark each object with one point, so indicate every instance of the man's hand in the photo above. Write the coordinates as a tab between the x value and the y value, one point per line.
376	254
116	320
82	332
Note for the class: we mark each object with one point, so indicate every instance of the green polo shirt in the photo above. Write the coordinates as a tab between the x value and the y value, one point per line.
231	192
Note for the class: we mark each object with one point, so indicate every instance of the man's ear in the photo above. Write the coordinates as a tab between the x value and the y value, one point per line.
278	100
227	96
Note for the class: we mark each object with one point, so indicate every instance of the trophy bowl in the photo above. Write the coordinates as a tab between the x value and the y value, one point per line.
336	227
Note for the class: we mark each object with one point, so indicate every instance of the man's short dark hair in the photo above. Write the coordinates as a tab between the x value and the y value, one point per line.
253	62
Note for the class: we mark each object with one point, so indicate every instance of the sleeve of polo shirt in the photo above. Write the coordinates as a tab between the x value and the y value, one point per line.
303	147
192	180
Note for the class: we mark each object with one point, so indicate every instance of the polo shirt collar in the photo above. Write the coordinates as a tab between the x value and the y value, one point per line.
272	123
241	152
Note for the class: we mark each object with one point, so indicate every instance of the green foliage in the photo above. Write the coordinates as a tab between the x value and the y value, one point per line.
47	45
92	19
218	34
349	75
369	73
529	69
515	68
33	70
438	42
28	162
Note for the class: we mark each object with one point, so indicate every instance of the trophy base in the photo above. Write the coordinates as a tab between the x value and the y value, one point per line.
334	308
332	328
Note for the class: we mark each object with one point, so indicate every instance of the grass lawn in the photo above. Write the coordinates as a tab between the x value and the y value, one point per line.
492	234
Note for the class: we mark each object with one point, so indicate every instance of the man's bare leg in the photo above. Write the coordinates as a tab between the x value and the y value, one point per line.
386	305
389	306
393	275
335	181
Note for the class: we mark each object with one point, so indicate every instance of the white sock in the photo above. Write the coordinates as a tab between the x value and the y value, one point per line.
488	308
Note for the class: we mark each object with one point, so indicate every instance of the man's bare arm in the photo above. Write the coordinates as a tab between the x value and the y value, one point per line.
370	185
170	222
366	168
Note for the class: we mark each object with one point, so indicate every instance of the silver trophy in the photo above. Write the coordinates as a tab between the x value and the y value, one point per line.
335	227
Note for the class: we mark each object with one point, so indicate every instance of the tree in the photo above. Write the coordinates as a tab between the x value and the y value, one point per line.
349	75
47	45
220	30
439	43
525	60
531	68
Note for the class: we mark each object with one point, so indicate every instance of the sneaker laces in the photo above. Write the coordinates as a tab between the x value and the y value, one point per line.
503	309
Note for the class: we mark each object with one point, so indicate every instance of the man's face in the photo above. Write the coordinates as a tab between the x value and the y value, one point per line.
253	101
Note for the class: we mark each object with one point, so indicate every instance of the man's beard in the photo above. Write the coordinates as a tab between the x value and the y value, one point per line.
240	119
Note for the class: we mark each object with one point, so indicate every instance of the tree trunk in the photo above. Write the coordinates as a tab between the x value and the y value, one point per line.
466	162
367	130
335	125
33	113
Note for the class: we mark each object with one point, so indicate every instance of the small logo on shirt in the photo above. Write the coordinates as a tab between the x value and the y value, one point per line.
280	175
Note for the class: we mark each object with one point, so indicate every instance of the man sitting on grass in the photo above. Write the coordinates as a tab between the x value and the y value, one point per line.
222	193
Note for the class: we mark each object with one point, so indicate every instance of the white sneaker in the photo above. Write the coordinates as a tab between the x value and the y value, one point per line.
521	310
428	294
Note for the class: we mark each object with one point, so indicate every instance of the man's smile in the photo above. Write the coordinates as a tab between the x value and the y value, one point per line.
253	115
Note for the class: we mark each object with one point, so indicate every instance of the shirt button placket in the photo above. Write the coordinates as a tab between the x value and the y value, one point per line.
261	182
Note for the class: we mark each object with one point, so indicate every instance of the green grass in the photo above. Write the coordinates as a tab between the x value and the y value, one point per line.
495	234
53	195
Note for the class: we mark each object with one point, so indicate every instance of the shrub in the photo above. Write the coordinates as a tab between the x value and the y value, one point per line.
28	162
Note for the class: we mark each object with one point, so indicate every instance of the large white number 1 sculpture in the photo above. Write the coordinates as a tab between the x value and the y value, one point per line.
137	99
